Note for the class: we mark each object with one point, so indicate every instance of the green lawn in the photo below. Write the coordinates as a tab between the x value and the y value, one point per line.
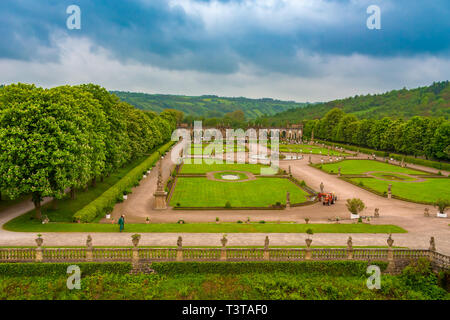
204	168
262	192
308	149
66	208
362	166
428	191
208	148
15	225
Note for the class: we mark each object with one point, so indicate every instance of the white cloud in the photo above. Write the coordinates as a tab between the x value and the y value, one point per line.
80	61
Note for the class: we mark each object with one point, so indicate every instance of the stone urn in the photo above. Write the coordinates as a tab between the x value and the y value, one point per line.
39	240
135	239
308	242
125	197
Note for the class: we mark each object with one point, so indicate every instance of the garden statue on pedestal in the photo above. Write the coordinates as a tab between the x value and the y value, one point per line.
160	194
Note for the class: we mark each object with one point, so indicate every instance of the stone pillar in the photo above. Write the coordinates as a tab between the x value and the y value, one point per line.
223	251
290	172
266	254
389	194
309	159
432	248
135	251
349	248
308	254
180	249
160	194
89	249
390	255
339	171
39	255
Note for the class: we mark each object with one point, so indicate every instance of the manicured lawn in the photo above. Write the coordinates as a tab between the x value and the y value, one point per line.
324	280
308	149
427	191
203	168
392	176
208	148
362	166
262	192
203	227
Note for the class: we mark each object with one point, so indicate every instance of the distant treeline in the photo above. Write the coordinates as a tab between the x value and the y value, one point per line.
205	107
418	136
69	136
432	101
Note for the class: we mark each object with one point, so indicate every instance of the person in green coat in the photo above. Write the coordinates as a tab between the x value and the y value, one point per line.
121	223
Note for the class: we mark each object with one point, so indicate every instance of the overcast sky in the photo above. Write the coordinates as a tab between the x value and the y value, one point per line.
302	50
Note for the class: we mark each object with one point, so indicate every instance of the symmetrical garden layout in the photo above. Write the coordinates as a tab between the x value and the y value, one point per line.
239	185
407	184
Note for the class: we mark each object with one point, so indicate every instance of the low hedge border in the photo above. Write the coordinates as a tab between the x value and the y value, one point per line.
60	269
337	268
105	203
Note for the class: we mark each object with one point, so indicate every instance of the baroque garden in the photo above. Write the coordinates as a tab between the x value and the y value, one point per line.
213	195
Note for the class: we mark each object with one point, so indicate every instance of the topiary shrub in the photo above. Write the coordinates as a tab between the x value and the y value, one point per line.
228	205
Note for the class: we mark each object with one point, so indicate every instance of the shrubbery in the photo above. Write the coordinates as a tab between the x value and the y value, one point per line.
105	203
337	268
60	269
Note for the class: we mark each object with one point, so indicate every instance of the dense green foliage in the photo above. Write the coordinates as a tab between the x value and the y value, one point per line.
419	136
207	106
105	203
335	268
431	101
66	137
340	280
58	269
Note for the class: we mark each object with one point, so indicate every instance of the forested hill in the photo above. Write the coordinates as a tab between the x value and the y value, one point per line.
431	101
207	106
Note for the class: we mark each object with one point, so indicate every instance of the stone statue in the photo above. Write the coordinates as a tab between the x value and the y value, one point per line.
180	242
349	243
310	159
224	240
266	243
321	187
290	173
426	212
89	241
432	244
389	188
376	214
339	171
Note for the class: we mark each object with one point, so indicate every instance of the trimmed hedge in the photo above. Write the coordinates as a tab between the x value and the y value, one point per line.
337	268
60	269
105	203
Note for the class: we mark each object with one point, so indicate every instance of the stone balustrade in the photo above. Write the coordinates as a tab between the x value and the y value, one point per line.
395	256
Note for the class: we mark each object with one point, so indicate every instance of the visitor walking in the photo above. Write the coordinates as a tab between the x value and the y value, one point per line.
121	223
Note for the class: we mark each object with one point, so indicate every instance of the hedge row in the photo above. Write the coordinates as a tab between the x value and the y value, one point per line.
105	203
60	269
398	157
337	268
